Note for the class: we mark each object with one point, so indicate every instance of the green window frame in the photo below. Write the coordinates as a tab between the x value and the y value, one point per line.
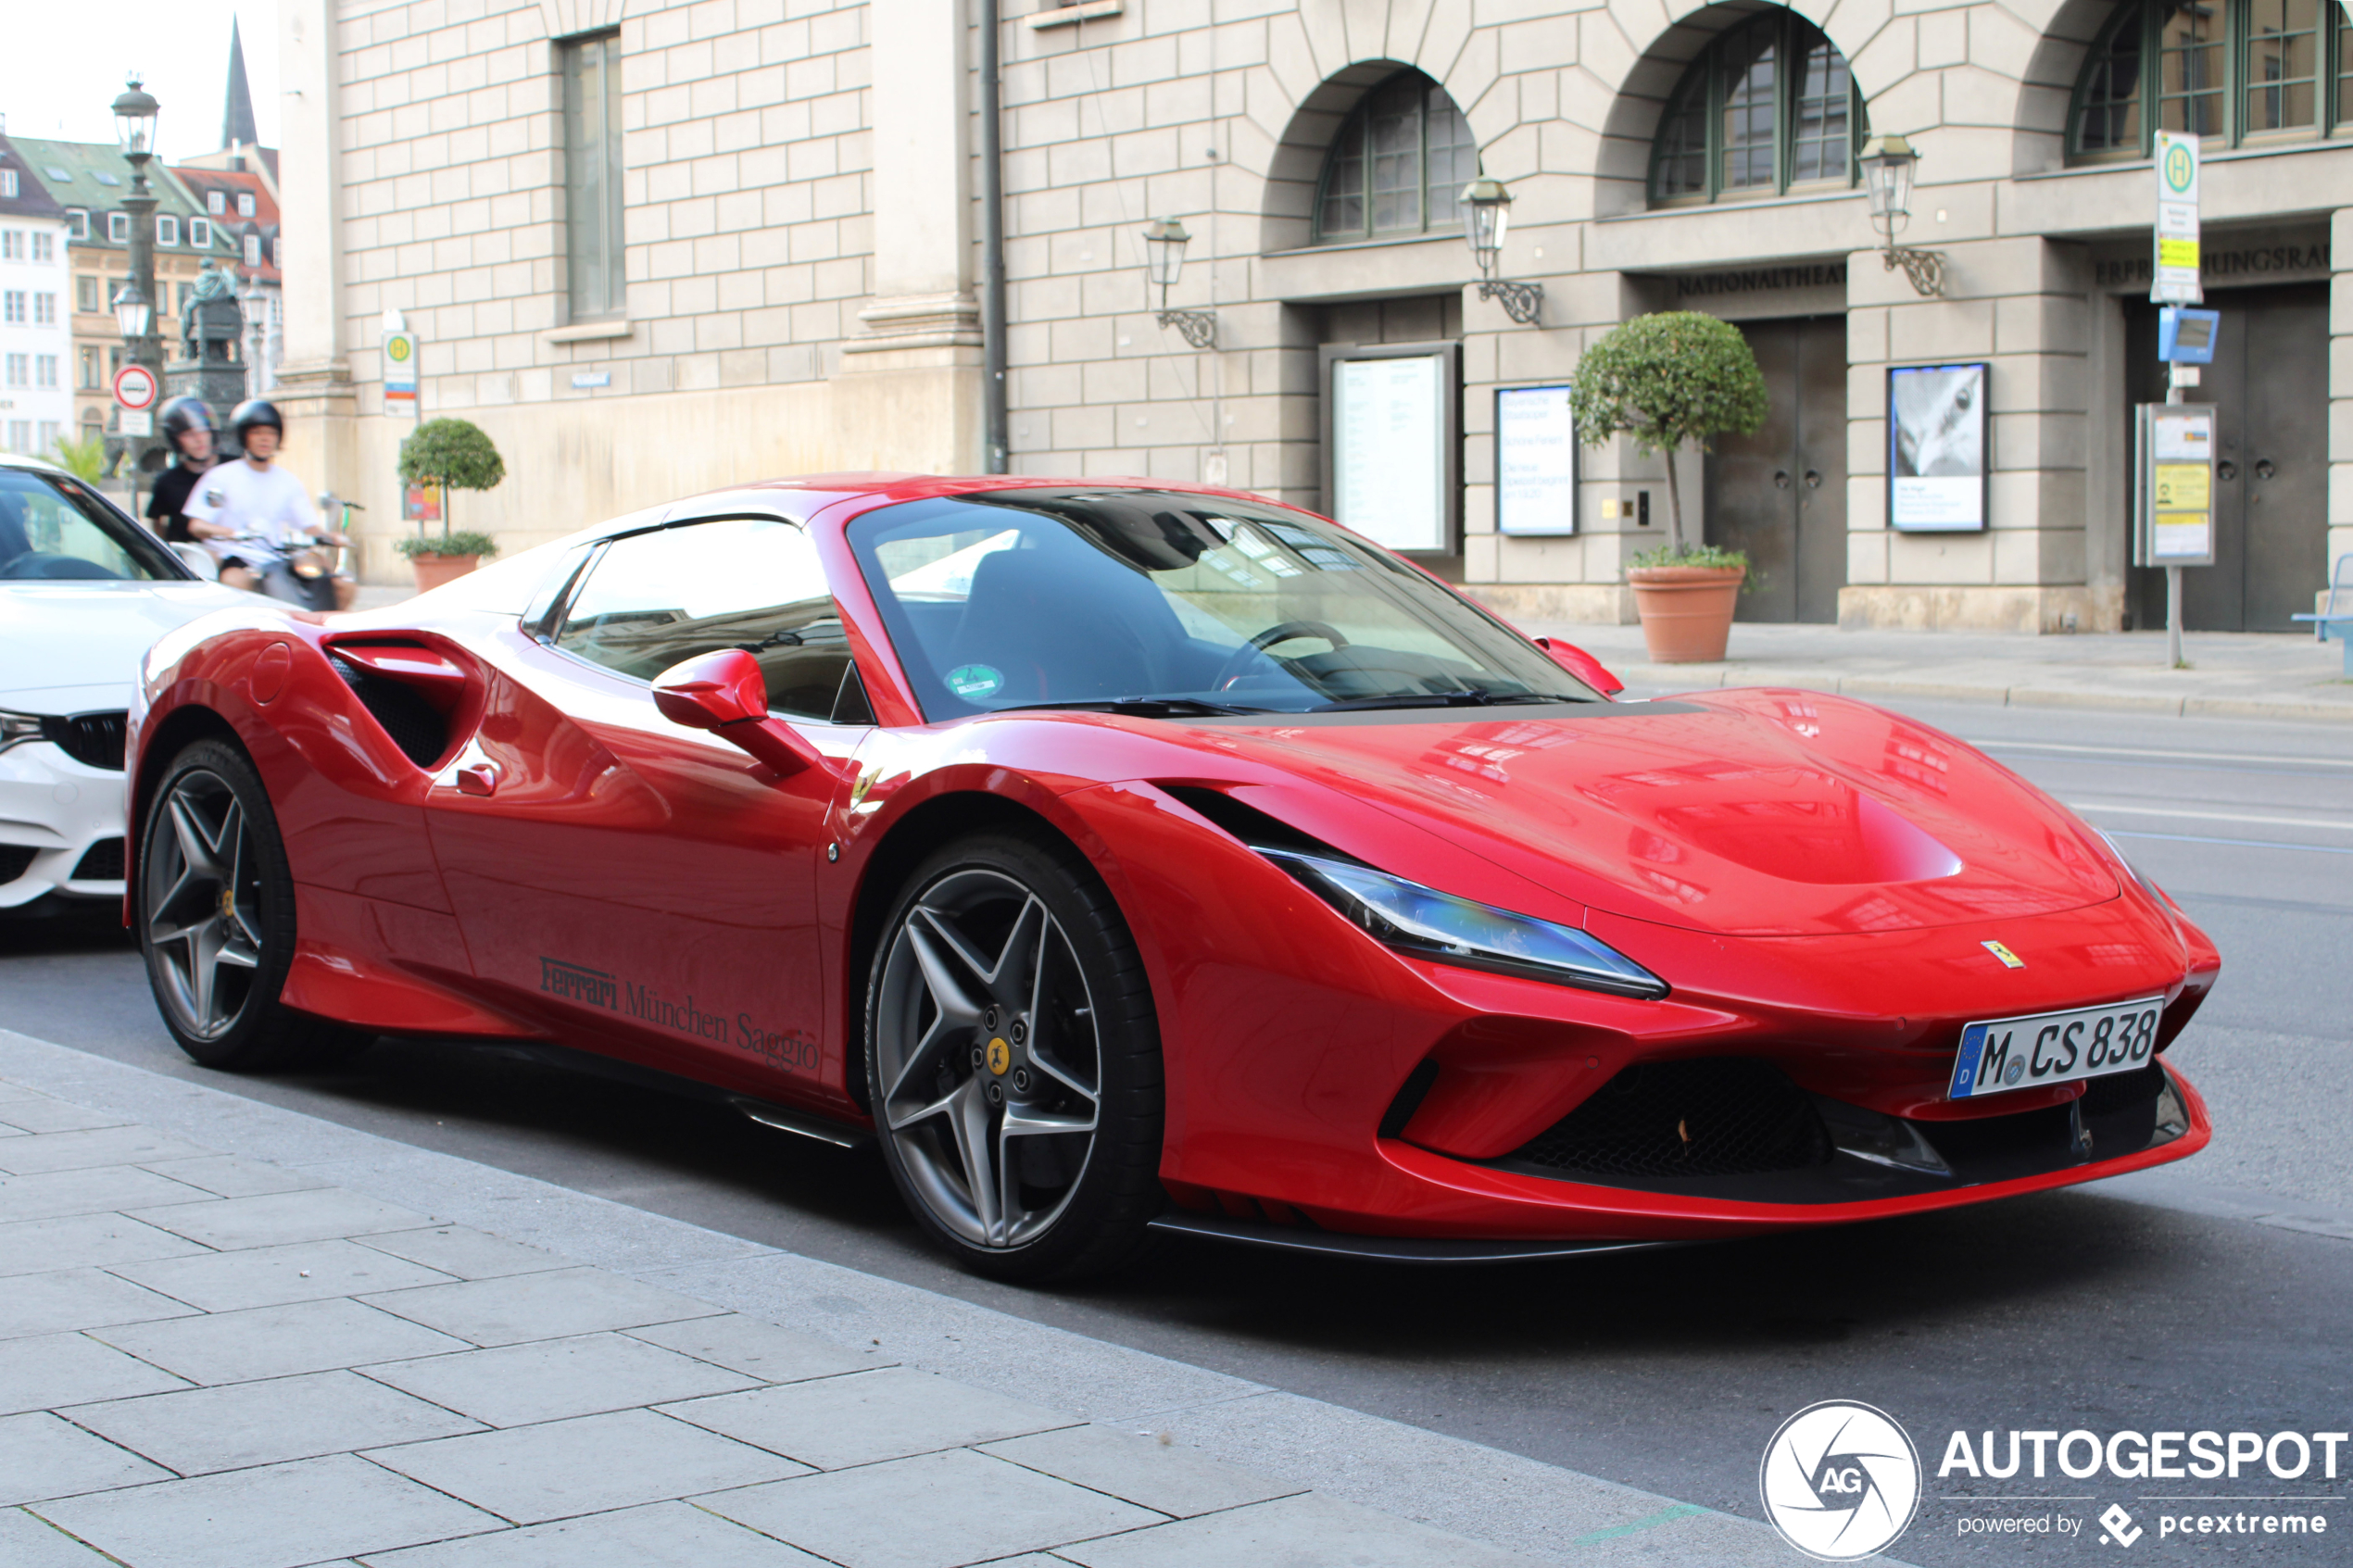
1770	106
2230	72
1398	166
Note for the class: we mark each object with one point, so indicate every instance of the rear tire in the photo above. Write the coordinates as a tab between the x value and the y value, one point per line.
215	915
1014	1058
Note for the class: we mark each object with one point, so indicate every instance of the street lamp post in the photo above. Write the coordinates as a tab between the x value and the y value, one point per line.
1164	243
1487	217
1887	163
140	304
137	307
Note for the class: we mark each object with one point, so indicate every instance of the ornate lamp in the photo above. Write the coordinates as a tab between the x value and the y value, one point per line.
132	313
1487	217
1164	243
134	122
1888	163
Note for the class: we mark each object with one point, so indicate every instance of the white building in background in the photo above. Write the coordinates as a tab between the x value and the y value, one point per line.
36	331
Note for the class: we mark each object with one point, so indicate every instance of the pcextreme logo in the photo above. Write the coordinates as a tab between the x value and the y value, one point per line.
1840	1481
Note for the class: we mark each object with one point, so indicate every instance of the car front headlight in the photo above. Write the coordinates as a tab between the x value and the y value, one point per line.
17	728
1445	929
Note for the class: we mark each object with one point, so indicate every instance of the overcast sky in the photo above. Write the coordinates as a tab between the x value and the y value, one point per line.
65	61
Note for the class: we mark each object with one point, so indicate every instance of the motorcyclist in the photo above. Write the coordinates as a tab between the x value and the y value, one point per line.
187	424
263	510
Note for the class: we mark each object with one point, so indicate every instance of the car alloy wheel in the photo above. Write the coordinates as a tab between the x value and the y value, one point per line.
203	880
215	918
1014	1064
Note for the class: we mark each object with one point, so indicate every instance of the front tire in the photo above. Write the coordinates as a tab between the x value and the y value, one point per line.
215	914
1014	1058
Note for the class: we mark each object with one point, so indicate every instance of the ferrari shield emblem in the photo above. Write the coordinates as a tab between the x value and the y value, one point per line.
2010	960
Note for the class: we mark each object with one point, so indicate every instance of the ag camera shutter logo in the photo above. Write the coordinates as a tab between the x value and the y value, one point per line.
1840	1481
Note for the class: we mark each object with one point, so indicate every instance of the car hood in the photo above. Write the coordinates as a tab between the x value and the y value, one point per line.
1747	813
74	647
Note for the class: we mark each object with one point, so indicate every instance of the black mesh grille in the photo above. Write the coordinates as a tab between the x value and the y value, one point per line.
414	725
1717	1117
101	862
14	858
94	740
2122	1091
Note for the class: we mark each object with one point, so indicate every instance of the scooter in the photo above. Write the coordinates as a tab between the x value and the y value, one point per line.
307	576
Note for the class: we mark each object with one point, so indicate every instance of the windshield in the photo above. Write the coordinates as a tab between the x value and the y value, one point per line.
1072	597
52	528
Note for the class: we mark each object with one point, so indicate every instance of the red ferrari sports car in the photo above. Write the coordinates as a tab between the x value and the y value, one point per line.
1125	857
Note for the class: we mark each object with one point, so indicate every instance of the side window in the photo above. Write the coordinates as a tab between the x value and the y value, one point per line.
654	600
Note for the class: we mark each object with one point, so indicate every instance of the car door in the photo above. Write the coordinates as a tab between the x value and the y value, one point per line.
649	888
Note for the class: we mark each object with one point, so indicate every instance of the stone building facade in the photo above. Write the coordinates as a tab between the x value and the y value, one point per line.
654	246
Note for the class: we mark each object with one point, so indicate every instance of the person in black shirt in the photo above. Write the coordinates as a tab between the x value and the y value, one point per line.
188	425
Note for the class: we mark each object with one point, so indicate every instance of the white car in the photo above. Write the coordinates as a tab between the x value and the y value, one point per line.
84	591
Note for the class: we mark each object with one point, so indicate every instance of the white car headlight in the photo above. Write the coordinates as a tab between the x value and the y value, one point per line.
17	728
1445	929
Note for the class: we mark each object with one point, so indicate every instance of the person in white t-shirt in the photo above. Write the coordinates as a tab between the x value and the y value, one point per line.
266	507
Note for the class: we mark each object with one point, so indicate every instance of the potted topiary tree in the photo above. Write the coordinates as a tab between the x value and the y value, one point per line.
454	455
1668	381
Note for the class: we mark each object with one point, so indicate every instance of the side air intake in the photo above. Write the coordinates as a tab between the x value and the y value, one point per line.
414	725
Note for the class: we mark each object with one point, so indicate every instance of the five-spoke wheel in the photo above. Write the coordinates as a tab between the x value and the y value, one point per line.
1013	1062
215	917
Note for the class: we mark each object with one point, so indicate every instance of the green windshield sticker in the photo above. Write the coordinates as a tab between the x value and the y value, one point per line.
975	680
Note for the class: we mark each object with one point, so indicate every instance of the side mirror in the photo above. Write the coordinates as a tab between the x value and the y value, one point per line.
724	693
1582	665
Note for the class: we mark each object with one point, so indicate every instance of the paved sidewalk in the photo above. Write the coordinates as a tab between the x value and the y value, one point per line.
356	1352
2234	675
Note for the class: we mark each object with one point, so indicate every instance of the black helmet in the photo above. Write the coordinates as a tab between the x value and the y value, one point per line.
184	414
256	412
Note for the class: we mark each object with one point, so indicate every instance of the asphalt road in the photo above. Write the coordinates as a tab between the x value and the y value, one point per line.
1668	1371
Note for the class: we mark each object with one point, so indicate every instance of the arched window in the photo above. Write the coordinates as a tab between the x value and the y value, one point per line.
1401	160
2234	71
1768	107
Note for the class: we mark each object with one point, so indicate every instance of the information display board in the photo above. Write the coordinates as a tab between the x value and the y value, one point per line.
1535	460
1391	440
1937	457
2174	279
2175	514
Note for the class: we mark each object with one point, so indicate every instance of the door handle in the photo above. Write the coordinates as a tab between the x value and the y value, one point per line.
1781	479
1813	480
2226	470
2264	468
477	778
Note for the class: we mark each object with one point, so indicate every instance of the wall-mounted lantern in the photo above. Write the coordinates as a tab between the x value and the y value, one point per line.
1888	163
1487	217
1164	243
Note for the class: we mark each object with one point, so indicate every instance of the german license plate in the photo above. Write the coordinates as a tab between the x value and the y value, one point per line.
2040	1048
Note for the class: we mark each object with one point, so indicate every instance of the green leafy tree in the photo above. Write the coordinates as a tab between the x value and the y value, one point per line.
456	455
85	460
1670	380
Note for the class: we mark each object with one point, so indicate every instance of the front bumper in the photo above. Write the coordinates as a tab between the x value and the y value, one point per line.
61	830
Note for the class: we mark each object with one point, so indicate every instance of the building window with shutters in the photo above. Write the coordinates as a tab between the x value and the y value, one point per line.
592	177
1768	107
2231	73
1397	166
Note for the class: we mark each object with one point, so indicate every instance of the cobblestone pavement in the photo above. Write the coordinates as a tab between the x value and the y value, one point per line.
235	1336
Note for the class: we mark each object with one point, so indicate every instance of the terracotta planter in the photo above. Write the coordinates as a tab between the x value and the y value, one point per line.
1686	611
433	571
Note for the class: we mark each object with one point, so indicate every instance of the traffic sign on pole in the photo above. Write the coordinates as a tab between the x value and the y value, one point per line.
2175	280
134	388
